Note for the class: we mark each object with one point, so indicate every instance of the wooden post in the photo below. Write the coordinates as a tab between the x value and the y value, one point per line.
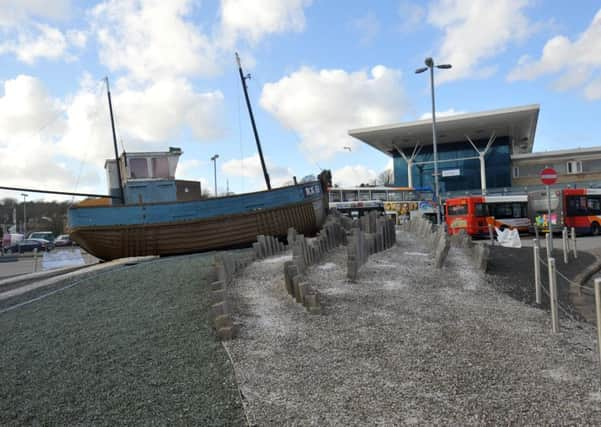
553	295
537	282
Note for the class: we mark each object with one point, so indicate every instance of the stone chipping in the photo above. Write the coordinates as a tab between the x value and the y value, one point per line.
406	343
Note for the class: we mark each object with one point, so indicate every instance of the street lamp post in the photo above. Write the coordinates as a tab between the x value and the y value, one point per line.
24	214
214	159
430	65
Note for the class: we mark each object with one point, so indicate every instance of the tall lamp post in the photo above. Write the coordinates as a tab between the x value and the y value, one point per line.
24	214
430	65
214	159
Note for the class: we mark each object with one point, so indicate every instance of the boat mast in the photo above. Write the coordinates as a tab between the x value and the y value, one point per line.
252	120
108	93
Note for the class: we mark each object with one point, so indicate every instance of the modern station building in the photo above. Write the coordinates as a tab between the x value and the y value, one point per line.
488	152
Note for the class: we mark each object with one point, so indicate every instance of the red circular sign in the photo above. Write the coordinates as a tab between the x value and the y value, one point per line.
548	176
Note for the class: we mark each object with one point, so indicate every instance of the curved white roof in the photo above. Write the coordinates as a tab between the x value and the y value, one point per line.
517	123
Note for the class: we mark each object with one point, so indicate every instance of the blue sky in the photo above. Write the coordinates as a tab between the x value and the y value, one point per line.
318	69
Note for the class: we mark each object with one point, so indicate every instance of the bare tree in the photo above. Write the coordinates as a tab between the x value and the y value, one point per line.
386	177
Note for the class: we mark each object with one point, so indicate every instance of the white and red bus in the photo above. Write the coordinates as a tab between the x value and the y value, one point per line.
474	213
571	207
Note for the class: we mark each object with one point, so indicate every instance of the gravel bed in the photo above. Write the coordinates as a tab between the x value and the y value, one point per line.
407	344
129	347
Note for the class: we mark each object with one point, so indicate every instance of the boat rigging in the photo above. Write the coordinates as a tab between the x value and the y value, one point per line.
252	120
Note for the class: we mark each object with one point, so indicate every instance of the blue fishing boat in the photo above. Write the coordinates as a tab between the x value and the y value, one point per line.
160	215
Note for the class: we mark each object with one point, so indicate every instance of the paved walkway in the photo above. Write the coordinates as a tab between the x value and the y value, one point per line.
41	279
407	344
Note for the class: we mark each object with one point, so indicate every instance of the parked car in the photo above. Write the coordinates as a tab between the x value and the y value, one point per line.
46	235
28	245
63	240
9	239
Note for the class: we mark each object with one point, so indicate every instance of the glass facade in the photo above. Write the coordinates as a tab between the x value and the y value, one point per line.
467	172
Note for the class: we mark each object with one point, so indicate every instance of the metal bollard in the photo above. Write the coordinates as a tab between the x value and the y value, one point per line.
491	233
537	283
564	241
548	238
35	260
553	295
575	252
598	309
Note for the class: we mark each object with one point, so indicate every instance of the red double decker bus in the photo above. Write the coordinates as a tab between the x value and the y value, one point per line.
474	213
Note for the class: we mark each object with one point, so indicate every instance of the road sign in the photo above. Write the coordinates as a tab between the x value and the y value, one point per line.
548	176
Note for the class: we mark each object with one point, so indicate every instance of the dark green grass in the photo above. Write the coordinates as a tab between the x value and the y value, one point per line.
128	347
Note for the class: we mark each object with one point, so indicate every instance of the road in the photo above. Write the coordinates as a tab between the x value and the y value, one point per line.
583	243
26	264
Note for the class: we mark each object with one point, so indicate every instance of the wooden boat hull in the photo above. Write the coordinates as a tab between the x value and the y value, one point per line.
197	235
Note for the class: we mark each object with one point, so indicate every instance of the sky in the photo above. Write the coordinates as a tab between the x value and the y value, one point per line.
317	69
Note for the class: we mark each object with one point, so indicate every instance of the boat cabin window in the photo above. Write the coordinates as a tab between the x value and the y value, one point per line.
160	167
138	168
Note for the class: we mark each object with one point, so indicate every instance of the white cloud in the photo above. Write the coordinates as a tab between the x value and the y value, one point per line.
43	42
411	15
14	11
445	113
152	39
322	105
576	61
350	176
250	167
26	108
30	123
476	31
29	39
160	110
592	91
368	28
253	20
77	38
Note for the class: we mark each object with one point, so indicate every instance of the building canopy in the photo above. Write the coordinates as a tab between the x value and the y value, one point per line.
518	124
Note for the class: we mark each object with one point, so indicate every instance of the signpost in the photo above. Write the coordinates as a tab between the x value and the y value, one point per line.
548	176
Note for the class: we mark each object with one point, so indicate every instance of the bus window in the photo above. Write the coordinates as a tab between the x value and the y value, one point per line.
335	196
481	209
364	195
378	195
594	205
411	196
395	196
349	196
457	210
576	205
517	210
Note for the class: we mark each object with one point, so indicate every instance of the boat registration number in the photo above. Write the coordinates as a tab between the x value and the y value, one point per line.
312	190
